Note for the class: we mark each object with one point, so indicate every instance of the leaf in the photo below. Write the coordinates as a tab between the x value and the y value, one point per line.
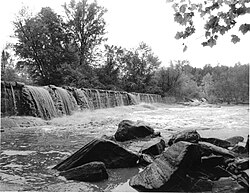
244	28
183	8
207	34
185	48
235	39
179	35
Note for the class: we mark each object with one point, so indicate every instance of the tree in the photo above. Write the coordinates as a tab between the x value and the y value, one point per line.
220	17
209	88
86	26
169	79
139	67
109	74
43	45
7	67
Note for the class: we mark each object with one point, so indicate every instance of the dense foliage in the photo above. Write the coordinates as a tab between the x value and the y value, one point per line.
219	17
58	50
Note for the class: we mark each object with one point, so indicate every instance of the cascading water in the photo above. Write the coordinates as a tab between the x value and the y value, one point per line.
121	99
82	99
68	102
13	99
107	99
98	97
86	99
44	106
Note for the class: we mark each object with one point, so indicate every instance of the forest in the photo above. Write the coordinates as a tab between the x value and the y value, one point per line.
71	50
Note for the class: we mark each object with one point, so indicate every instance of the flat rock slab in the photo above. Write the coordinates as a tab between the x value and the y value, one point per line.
217	142
189	135
208	149
128	130
235	140
150	146
168	169
106	151
90	172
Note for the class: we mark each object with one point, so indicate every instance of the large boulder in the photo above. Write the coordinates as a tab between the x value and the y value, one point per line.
209	148
235	140
169	169
217	142
90	172
189	135
128	130
106	151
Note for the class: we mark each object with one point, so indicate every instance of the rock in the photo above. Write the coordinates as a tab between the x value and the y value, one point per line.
168	169
247	144
208	149
106	151
217	142
201	185
238	165
128	130
212	161
154	148
239	149
187	135
90	172
235	140
147	145
227	185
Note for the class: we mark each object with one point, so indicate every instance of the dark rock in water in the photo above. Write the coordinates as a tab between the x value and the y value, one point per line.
169	169
187	135
146	159
227	185
128	130
200	185
208	149
247	144
217	142
235	140
154	148
147	145
212	161
106	151
239	149
238	165
90	172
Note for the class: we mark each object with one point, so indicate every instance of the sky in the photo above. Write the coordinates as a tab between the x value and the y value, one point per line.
130	22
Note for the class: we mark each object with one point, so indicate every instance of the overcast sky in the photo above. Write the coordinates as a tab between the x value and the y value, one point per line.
130	22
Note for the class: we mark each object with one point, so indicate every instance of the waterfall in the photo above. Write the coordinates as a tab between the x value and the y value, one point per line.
121	99
82	98
85	98
99	98
68	102
44	105
107	99
14	99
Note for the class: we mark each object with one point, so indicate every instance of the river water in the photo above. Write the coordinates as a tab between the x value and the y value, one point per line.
30	151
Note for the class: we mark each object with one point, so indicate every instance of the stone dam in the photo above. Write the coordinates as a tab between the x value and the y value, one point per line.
50	101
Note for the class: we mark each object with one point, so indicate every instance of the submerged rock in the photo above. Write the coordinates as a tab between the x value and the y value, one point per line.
168	170
235	140
208	149
217	142
106	151
128	130
239	149
90	172
189	135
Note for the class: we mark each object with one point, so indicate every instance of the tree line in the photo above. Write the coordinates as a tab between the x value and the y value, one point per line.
70	50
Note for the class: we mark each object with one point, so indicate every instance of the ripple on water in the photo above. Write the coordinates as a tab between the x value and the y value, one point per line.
16	152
